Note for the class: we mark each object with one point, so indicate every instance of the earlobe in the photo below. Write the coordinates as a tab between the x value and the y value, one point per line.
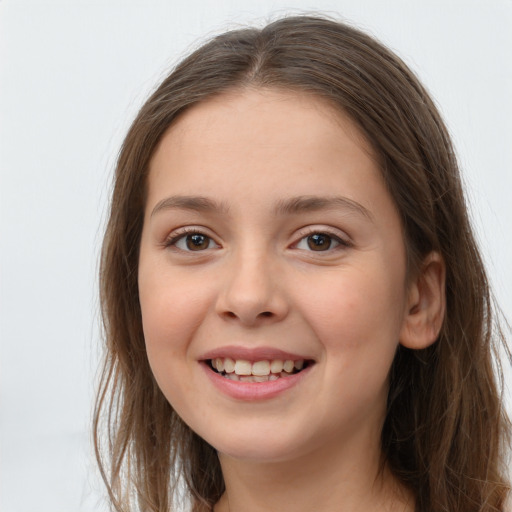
426	304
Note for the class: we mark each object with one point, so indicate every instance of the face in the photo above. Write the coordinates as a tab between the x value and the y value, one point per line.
271	276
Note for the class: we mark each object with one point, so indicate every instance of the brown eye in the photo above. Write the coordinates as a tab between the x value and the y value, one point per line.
319	242
197	242
192	242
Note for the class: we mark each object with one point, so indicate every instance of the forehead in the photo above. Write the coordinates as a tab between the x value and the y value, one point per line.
269	107
261	135
290	114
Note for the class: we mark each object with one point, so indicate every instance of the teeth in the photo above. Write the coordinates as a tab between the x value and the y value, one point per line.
276	366
243	367
261	368
229	365
254	378
259	371
288	366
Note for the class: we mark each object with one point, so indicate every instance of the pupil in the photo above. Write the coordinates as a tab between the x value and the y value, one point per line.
319	242
197	242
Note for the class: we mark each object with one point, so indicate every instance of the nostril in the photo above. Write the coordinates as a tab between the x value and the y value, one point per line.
231	315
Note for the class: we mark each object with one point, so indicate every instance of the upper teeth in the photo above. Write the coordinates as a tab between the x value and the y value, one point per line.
258	368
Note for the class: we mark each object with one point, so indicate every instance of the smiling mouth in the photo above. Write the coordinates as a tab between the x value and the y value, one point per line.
257	371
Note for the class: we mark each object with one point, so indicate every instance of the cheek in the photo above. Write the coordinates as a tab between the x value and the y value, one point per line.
172	311
356	311
172	307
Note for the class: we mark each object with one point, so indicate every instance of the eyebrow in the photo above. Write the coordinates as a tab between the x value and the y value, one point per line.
193	203
315	203
300	204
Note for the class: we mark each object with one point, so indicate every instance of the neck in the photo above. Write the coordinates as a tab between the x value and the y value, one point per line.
350	478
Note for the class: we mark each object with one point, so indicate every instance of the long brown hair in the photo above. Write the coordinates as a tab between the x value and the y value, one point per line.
446	434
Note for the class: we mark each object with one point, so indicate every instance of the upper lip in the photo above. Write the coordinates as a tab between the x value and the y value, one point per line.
252	354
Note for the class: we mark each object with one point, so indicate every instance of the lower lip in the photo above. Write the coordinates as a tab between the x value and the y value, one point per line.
254	390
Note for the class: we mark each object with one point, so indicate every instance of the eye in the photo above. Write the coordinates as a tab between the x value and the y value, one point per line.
193	241
319	242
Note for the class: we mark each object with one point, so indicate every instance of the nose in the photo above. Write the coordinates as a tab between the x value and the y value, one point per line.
252	291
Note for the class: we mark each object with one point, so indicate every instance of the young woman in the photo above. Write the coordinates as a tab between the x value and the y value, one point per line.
296	312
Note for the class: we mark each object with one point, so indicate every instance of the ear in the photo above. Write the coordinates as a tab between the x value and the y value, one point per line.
426	304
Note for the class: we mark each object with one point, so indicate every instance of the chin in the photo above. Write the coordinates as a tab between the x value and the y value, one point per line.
260	454
259	445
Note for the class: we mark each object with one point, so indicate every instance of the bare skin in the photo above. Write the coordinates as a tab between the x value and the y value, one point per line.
327	483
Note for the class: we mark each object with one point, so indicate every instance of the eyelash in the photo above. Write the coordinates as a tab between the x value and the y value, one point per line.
182	234
341	243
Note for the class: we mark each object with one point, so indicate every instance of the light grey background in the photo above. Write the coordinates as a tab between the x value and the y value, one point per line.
72	76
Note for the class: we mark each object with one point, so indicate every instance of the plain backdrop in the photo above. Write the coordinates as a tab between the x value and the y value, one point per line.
72	76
